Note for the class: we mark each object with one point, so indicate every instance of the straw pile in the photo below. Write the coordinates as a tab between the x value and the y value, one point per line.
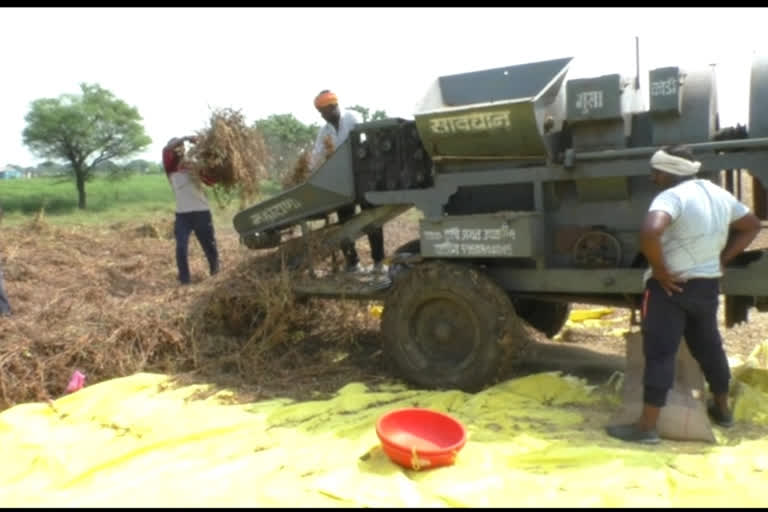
105	301
232	153
300	172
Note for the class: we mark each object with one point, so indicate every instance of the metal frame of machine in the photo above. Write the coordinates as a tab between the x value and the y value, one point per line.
539	183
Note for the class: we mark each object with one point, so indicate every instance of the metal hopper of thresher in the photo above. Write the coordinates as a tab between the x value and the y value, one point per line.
504	113
330	187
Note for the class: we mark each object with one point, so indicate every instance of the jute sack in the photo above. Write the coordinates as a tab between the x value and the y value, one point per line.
684	418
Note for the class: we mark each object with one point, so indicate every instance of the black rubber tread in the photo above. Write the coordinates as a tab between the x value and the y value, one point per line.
412	247
499	335
544	316
397	270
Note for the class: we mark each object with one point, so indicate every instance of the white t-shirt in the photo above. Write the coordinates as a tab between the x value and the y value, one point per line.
347	122
189	195
701	215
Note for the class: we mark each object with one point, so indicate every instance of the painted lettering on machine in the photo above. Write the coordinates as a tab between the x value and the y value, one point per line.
589	100
274	212
474	122
666	87
480	242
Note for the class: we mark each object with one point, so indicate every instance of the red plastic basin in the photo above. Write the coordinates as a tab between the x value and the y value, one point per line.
419	438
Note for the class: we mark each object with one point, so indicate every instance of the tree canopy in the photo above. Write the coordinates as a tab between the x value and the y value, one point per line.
365	113
86	130
286	137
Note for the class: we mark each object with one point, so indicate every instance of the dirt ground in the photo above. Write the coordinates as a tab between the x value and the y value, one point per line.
105	301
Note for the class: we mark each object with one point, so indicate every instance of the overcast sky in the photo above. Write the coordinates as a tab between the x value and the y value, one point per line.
175	63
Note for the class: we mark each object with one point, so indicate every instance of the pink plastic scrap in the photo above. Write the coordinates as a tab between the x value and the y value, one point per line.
76	382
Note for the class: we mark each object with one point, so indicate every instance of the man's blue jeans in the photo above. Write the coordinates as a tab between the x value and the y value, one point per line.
5	307
201	223
666	320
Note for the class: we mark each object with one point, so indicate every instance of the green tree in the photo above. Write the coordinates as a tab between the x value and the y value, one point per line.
286	137
140	165
85	130
365	113
379	115
362	111
47	168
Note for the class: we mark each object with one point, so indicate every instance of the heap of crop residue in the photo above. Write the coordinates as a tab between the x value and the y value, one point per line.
303	167
231	153
104	300
301	170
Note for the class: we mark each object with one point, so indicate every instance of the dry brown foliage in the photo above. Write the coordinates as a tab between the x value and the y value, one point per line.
328	147
105	301
232	153
302	169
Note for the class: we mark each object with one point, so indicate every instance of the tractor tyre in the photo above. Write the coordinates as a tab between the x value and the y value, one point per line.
544	316
399	269
449	326
412	247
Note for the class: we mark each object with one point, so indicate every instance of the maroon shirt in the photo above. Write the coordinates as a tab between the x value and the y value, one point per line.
171	162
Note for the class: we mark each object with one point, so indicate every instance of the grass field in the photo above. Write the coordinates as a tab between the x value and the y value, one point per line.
134	197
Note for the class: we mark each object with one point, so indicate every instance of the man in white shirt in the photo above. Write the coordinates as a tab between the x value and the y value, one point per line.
5	306
685	238
337	130
192	210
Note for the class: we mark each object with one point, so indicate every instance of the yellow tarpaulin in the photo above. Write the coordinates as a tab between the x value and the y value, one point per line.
533	441
579	319
581	315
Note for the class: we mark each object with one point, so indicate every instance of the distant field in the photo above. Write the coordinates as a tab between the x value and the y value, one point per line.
135	198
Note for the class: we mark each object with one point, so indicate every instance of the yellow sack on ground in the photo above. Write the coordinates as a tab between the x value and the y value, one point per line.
580	315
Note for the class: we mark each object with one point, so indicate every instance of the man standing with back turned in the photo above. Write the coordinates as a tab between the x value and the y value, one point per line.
685	238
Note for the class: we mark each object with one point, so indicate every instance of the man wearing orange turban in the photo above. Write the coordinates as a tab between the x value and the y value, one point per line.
337	130
337	126
325	99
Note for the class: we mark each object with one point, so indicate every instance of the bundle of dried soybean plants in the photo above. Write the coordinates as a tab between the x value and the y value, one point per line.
232	154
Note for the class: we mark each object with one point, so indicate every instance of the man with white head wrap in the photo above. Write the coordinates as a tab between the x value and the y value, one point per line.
685	238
